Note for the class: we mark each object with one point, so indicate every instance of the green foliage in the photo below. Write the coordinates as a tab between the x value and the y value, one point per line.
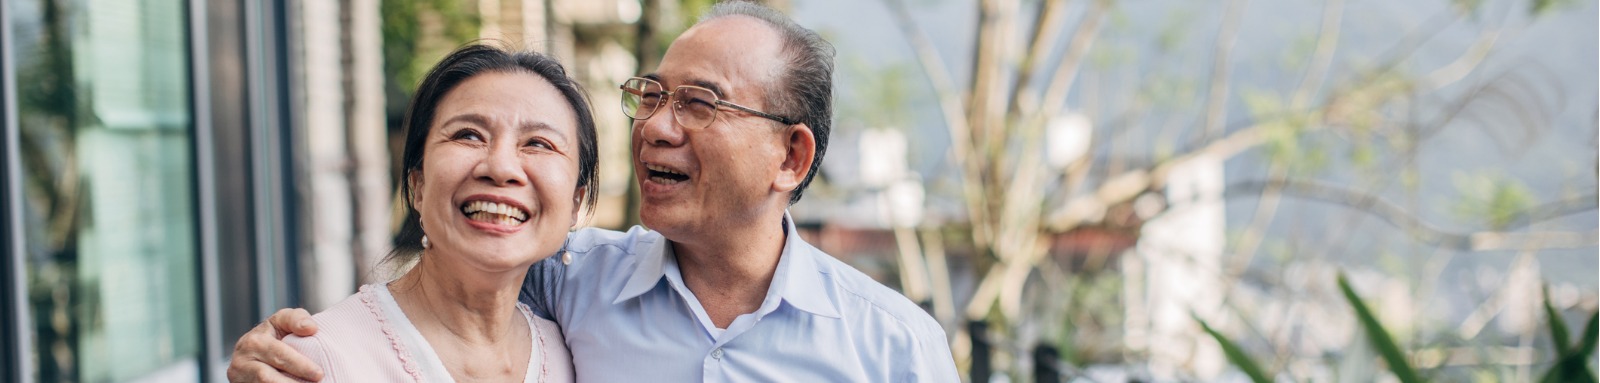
1167	91
416	34
1558	326
1542	7
1469	7
1235	353
1363	156
1176	30
1287	141
1385	345
1107	57
1591	335
1492	198
1572	362
883	96
1299	52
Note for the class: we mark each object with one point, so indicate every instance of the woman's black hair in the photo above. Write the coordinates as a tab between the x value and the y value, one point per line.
471	60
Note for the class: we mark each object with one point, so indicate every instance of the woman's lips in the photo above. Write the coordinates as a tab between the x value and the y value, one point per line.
494	214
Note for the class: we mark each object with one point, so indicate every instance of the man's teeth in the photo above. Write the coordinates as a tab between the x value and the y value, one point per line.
663	169
494	212
664	180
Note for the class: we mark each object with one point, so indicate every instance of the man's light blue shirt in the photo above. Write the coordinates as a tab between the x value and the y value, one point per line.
628	317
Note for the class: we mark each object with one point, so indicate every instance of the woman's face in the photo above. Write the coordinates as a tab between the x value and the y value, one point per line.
498	184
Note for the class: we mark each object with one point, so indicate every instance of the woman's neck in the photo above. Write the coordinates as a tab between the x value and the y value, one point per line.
471	308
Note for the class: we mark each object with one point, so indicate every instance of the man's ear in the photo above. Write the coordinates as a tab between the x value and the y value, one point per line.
801	149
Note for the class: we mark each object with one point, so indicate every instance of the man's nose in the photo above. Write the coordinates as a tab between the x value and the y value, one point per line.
661	128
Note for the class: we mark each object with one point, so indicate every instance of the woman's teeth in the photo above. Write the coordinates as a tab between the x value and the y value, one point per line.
493	212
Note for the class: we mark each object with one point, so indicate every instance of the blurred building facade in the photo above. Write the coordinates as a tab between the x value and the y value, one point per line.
175	171
153	177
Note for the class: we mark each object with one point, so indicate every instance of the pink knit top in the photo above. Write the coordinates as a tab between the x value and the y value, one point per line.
367	338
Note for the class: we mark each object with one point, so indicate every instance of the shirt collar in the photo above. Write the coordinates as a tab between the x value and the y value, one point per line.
648	272
797	279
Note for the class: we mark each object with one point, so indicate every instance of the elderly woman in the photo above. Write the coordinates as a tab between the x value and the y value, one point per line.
499	159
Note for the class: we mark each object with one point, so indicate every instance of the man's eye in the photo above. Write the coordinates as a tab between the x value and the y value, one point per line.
697	102
650	99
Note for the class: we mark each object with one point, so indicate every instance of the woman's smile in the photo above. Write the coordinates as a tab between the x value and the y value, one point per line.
494	214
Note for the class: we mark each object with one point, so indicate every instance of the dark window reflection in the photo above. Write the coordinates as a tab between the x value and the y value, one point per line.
105	137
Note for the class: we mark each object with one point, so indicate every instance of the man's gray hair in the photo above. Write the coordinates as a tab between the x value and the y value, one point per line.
805	86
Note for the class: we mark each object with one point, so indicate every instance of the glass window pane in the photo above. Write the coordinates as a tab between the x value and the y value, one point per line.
105	127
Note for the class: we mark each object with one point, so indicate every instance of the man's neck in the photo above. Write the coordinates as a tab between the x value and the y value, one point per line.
730	274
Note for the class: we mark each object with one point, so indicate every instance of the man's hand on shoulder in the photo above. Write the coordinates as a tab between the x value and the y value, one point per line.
262	356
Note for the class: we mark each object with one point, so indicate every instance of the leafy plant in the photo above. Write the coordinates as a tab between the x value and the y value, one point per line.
1385	345
1235	353
1572	361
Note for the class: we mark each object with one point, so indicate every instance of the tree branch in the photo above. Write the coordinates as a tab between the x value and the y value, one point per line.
950	106
1416	228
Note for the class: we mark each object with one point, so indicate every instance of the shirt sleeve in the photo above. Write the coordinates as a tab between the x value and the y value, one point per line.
931	358
542	286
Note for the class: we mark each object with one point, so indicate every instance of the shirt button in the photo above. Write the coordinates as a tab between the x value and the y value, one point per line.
717	353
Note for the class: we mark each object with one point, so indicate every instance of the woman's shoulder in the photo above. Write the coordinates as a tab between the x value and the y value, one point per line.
357	311
554	361
353	340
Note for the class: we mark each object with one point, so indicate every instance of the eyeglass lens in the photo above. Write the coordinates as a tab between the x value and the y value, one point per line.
693	107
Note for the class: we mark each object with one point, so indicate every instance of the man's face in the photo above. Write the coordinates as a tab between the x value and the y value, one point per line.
697	182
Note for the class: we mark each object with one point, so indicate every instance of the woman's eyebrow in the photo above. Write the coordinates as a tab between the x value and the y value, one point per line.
471	118
525	127
536	126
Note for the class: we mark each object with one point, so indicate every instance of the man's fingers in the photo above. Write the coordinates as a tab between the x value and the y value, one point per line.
279	355
257	372
262	356
293	321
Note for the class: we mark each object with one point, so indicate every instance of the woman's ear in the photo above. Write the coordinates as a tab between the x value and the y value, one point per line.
414	179
577	203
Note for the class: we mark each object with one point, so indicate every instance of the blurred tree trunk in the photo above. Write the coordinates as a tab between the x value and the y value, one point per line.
1016	197
346	155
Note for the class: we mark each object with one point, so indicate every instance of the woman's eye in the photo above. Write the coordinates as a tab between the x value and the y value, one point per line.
540	144
468	134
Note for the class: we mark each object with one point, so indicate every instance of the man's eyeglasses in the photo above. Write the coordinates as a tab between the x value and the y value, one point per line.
692	106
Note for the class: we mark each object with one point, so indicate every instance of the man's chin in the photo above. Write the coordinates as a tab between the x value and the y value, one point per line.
662	219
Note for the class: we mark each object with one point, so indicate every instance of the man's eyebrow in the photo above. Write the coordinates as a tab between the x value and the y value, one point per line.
708	85
717	90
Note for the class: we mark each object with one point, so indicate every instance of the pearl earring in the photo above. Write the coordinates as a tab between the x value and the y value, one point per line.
566	255
425	244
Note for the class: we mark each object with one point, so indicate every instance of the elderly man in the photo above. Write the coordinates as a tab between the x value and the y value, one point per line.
727	133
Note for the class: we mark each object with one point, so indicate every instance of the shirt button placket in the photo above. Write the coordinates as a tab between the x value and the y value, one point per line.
711	369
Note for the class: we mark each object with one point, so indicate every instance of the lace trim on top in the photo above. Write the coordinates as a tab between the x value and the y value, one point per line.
408	362
544	365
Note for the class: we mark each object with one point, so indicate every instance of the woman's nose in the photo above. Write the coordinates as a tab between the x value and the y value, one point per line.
502	166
